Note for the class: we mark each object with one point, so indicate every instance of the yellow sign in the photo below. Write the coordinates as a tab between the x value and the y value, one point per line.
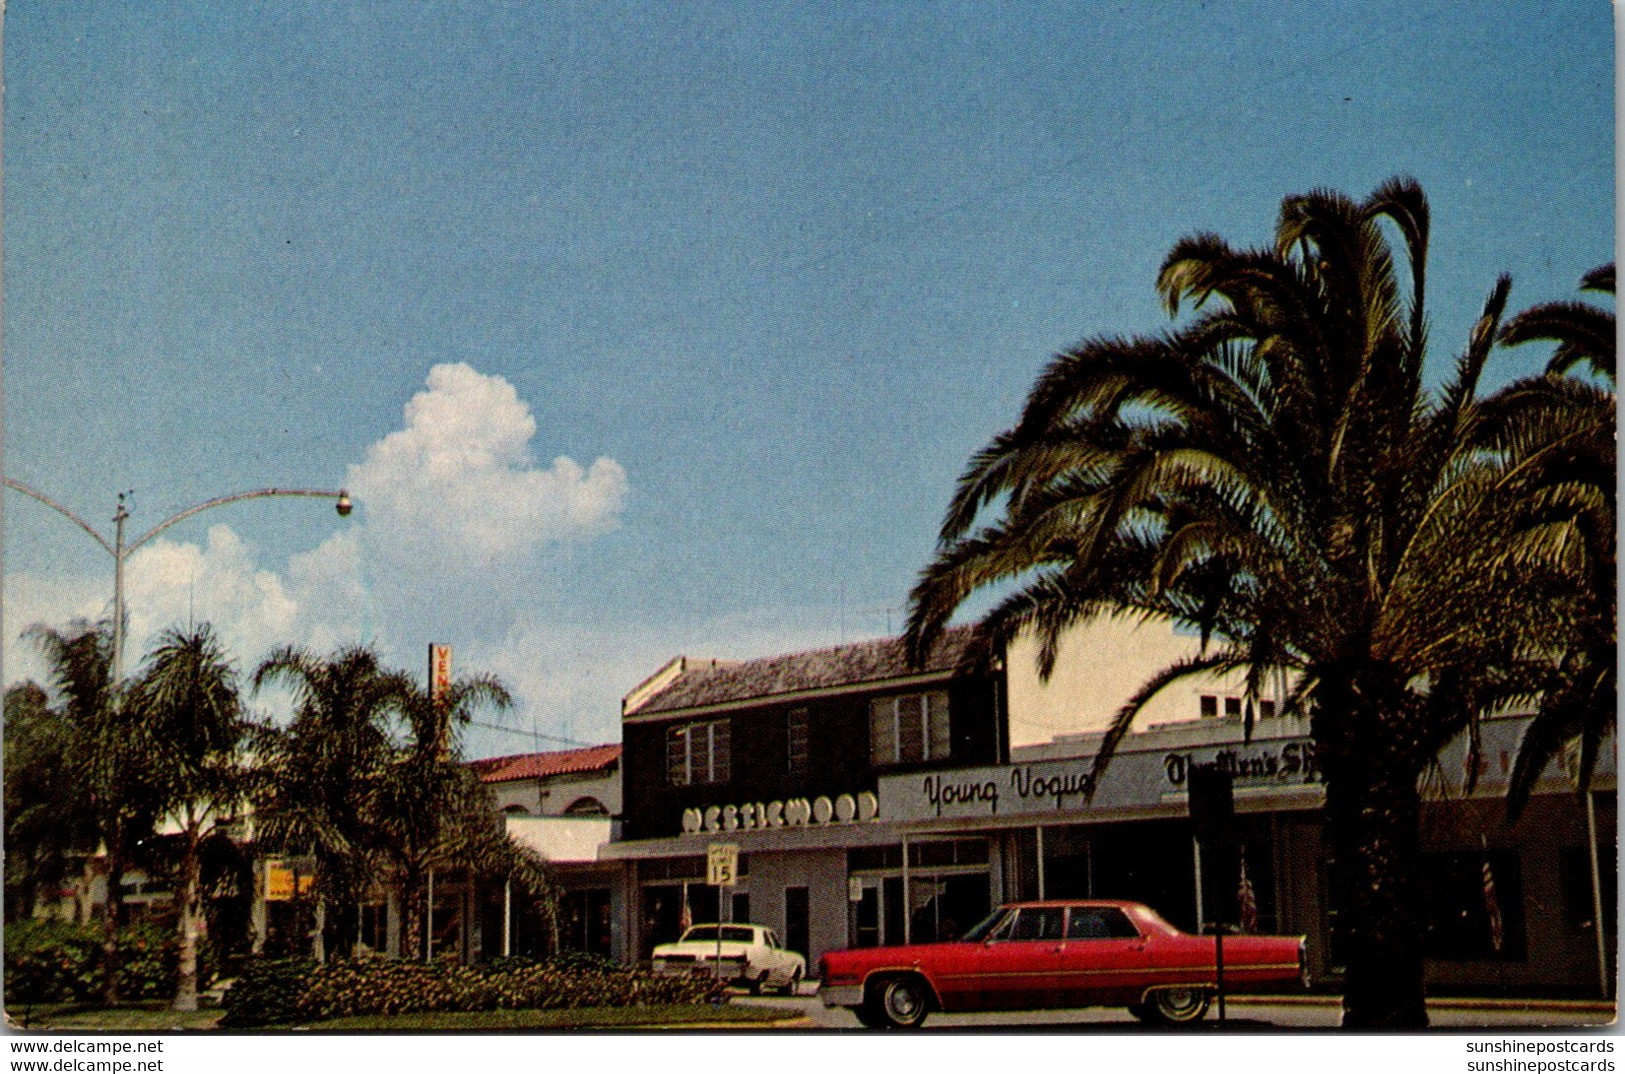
722	865
280	878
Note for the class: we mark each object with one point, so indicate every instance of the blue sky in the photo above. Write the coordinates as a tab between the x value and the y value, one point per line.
762	276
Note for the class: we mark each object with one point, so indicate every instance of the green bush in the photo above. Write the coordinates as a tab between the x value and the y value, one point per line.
48	961
53	961
290	990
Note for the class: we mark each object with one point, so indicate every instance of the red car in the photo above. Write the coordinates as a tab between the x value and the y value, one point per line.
1058	954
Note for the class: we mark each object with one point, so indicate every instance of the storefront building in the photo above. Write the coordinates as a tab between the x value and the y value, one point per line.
783	757
875	804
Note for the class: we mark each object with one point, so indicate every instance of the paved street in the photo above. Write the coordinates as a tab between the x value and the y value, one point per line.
1241	1017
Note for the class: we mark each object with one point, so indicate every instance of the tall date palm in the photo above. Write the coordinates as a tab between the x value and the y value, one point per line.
1273	473
1559	429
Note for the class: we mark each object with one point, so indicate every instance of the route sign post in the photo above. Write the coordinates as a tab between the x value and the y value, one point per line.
721	871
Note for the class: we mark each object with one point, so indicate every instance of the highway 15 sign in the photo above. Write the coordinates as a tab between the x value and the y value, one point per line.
722	864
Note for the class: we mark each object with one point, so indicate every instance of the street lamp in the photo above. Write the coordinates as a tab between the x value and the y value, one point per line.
119	550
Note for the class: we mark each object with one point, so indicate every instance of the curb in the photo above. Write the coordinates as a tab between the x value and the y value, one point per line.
1586	1006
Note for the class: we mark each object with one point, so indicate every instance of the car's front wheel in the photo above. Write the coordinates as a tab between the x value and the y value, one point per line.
900	1002
1172	1006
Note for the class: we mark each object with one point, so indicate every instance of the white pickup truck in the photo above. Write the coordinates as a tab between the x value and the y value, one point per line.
746	955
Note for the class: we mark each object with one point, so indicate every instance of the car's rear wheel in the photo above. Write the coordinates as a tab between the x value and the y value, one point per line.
1172	1006
756	983
899	1002
791	985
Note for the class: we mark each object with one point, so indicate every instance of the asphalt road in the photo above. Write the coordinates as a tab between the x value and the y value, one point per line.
1240	1017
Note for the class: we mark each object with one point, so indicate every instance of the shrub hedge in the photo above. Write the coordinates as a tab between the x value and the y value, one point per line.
54	962
279	991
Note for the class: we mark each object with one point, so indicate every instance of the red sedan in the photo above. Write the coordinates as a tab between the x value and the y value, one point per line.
1036	955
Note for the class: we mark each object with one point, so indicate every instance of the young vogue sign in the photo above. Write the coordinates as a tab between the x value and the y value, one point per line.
1137	778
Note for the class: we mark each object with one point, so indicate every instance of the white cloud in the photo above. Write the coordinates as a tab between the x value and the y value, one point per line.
458	481
453	516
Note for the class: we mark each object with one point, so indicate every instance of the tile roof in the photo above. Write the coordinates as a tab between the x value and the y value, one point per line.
542	765
710	682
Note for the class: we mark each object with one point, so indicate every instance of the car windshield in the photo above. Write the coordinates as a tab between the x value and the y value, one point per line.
983	928
730	934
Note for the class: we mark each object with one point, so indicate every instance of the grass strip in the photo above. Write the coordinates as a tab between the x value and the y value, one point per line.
507	1021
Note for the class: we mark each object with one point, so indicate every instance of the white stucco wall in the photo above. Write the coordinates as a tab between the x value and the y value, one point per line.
1101	665
551	797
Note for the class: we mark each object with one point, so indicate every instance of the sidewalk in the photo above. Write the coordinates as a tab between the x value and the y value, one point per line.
1456	1003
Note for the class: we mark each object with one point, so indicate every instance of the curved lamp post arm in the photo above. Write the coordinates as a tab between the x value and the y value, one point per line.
69	515
340	495
119	550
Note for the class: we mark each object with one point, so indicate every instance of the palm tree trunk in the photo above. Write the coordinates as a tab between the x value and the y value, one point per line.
411	916
189	923
1372	830
113	914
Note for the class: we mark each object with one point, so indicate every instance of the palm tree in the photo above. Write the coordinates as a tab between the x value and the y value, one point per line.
111	756
187	694
432	813
48	821
317	777
1560	429
1274	474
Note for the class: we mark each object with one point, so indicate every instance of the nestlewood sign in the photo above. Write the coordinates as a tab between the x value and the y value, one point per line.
791	813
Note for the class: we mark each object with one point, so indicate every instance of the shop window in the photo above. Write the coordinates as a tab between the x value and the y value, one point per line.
698	753
795	745
909	728
867	859
685	868
948	852
584	921
1210	706
1473	912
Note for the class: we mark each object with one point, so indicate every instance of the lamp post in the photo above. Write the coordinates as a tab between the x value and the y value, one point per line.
119	550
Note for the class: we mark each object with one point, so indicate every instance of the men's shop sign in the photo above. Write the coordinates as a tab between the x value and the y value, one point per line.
1293	762
791	813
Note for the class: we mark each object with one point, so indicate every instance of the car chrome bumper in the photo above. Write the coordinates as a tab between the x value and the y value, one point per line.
841	995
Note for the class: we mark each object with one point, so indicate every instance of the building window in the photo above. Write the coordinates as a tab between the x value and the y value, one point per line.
909	728
698	753
1474	906
1210	705
1232	707
796	741
1266	710
586	807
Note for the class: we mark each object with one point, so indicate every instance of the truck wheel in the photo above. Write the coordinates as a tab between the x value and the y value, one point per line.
1173	1006
901	1002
